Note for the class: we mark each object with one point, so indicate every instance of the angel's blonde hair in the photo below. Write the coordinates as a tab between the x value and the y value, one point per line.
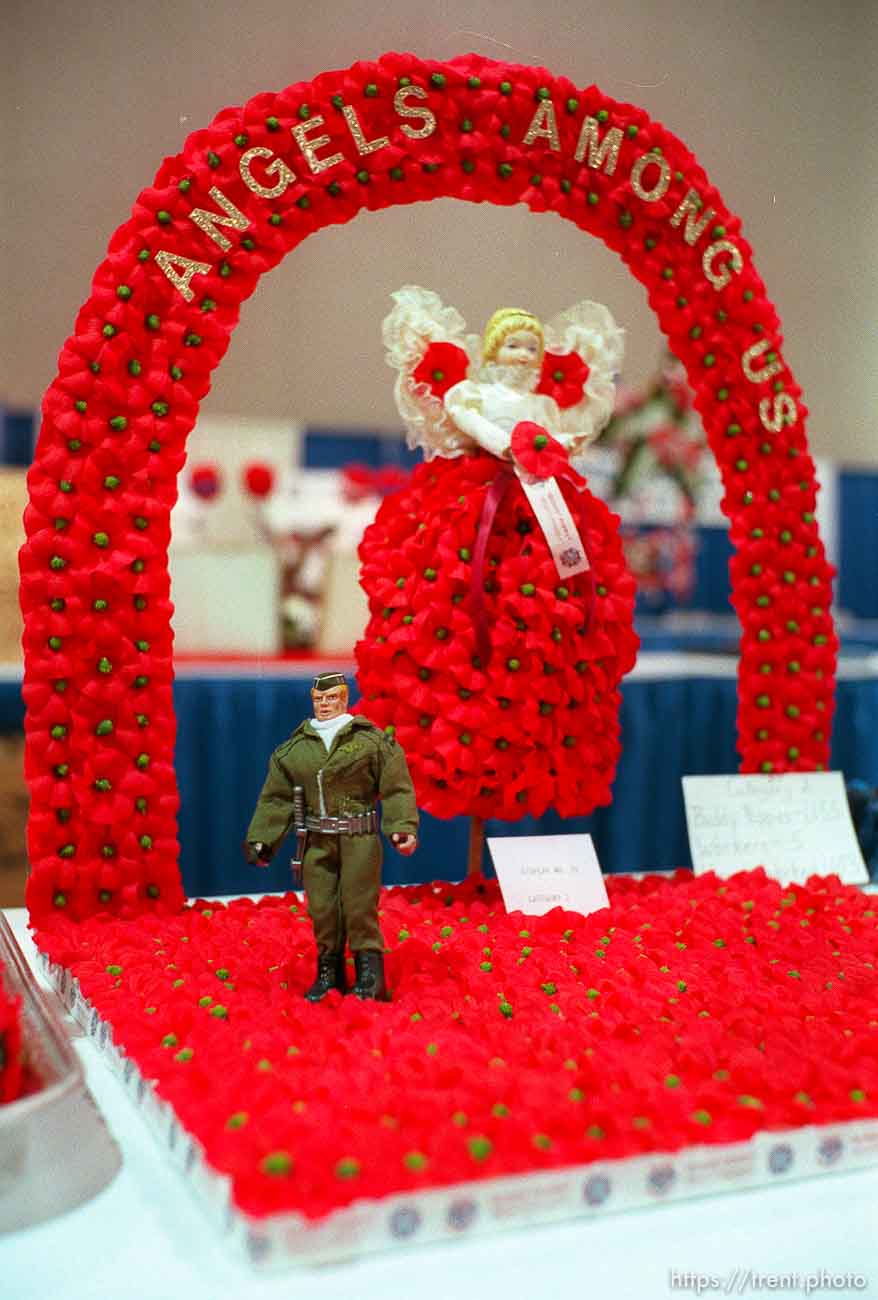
505	321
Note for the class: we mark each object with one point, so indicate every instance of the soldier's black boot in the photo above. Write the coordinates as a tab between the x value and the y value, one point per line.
370	976
330	975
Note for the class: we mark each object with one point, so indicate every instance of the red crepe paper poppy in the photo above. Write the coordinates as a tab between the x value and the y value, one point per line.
563	377
538	452
442	366
258	479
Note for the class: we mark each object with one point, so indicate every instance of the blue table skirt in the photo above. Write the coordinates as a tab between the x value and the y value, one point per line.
671	725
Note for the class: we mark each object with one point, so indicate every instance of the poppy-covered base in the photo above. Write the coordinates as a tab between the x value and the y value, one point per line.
699	1036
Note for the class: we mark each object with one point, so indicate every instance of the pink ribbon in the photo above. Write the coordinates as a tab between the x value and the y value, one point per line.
496	493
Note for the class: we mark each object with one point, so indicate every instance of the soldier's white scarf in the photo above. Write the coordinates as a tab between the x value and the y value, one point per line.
330	727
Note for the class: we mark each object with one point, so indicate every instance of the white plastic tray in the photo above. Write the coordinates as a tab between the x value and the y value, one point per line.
489	1205
55	1150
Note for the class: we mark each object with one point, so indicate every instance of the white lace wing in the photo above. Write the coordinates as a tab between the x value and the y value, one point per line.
589	329
417	319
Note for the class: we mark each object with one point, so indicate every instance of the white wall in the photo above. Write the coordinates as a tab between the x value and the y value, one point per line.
775	97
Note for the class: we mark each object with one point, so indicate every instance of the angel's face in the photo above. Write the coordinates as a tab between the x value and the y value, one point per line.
521	348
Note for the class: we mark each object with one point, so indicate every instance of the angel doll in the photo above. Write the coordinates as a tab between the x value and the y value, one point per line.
500	606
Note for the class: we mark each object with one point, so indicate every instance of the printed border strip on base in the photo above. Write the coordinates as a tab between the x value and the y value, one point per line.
482	1206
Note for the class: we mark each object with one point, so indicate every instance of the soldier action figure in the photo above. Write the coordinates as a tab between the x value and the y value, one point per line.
334	767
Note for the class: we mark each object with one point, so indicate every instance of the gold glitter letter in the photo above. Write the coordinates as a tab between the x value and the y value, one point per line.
691	205
428	121
309	147
777	411
719	279
544	126
664	177
277	168
364	146
599	150
751	355
208	221
180	279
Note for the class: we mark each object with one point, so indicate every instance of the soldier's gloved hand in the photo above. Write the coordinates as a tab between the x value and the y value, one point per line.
404	842
257	853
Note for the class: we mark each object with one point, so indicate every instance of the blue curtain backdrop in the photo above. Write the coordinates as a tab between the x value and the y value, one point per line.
332	448
17	429
857	589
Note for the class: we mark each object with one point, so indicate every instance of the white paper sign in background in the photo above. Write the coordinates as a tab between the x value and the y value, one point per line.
539	872
795	825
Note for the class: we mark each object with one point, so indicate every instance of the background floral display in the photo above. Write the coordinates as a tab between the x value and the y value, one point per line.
658	443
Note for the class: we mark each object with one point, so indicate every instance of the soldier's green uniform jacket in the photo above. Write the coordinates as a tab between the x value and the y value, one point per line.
342	873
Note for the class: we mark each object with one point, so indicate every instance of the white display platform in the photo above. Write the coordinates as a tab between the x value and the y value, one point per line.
145	1238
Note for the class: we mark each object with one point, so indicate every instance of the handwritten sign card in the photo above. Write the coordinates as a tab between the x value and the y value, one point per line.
539	872
794	825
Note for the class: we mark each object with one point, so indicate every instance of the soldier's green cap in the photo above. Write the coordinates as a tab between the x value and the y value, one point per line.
326	681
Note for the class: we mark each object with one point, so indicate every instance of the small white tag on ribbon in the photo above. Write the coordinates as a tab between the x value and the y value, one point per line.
556	521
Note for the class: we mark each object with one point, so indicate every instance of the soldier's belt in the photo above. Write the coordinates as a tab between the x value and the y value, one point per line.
358	824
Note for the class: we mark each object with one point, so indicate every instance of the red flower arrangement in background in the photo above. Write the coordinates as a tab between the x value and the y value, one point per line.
657	421
205	480
362	481
11	1064
656	438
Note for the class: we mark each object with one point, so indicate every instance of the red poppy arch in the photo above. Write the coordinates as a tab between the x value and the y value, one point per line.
241	194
